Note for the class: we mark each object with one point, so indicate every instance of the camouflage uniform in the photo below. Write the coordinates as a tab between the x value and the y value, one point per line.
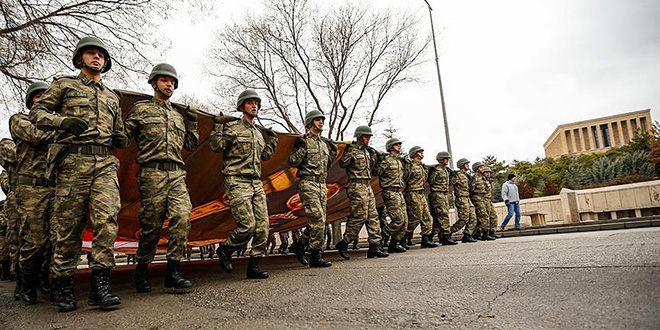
34	194
439	176
464	208
4	246
243	148
87	183
313	156
160	133
389	170
492	215
8	153
417	204
359	160
478	198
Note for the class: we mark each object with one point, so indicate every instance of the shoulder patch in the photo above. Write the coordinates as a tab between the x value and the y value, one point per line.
64	77
232	123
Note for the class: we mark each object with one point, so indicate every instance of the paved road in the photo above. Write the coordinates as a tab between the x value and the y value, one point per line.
603	279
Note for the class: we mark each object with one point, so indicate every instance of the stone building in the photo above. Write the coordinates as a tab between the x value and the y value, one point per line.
596	135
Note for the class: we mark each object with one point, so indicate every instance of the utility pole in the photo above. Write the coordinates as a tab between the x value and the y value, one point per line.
442	95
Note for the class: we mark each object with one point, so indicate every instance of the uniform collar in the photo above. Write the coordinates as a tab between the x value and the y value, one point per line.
157	101
89	82
310	135
246	123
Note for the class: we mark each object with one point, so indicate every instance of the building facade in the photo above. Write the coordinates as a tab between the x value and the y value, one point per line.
596	135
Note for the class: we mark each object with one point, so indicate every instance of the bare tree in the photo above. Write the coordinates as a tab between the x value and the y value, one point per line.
37	38
342	61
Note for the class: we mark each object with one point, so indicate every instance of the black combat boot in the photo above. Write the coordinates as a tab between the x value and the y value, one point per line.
467	238
404	243
446	240
375	251
29	288
224	257
317	261
141	278
299	250
476	234
485	236
395	247
4	273
253	270
65	300
492	234
100	294
384	240
173	278
19	285
409	237
342	248
427	242
44	282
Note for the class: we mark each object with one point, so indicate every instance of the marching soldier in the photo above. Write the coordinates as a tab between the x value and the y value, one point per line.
243	148
11	239
389	170
4	252
313	155
358	160
478	197
492	214
34	196
439	176
416	175
161	132
467	218
87	117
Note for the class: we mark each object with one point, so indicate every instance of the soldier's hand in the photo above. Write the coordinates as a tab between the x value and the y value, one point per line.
120	140
74	125
191	114
220	119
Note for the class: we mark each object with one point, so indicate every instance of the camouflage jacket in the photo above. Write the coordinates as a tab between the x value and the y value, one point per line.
313	156
489	189
83	98
31	146
160	132
439	176
478	185
4	182
358	160
461	183
415	175
243	148
389	170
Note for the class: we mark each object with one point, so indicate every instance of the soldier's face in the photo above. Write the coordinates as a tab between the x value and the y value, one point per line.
318	123
93	58
251	107
397	147
487	174
420	154
36	96
445	161
365	139
164	85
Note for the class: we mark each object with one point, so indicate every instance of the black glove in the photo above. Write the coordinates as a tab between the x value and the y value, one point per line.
119	140
74	125
506	202
191	114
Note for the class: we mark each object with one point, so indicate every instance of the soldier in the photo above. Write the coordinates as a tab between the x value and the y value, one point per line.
492	215
389	170
359	160
439	176
160	132
416	174
478	197
270	243
464	208
284	242
4	253
87	117
313	155
243	148
8	161
34	196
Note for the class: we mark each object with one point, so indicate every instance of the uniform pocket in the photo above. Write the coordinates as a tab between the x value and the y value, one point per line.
151	127
63	191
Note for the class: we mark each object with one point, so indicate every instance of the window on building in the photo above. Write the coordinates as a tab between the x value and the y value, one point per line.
624	129
594	132
587	141
642	123
633	125
605	132
578	141
569	141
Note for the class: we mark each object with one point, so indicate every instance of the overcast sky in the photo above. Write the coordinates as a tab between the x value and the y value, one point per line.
512	70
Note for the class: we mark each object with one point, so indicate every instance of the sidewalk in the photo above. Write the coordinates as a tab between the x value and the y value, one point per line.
594	225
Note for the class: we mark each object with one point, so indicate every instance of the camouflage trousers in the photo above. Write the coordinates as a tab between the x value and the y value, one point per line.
314	199
439	206
163	195
466	216
87	186
362	204
481	211
36	206
396	208
492	216
249	208
417	207
4	248
13	237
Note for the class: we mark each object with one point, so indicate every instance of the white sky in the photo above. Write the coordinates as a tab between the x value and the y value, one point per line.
512	70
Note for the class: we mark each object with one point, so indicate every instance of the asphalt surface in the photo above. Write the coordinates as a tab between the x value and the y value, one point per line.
601	279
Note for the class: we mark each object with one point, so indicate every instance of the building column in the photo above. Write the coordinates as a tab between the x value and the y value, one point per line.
573	137
631	131
621	135
599	136
583	139
611	135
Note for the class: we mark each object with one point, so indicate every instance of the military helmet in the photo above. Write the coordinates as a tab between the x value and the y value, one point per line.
391	143
462	162
246	95
164	69
414	150
38	86
476	165
442	155
89	42
487	169
7	151
362	130
311	115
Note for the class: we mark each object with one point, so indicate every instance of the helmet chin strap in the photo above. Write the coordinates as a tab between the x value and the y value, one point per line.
161	92
84	65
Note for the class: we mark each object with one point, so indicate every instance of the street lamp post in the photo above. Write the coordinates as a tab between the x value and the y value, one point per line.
442	95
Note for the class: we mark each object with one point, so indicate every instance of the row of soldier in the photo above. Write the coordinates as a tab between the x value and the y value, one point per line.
63	172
